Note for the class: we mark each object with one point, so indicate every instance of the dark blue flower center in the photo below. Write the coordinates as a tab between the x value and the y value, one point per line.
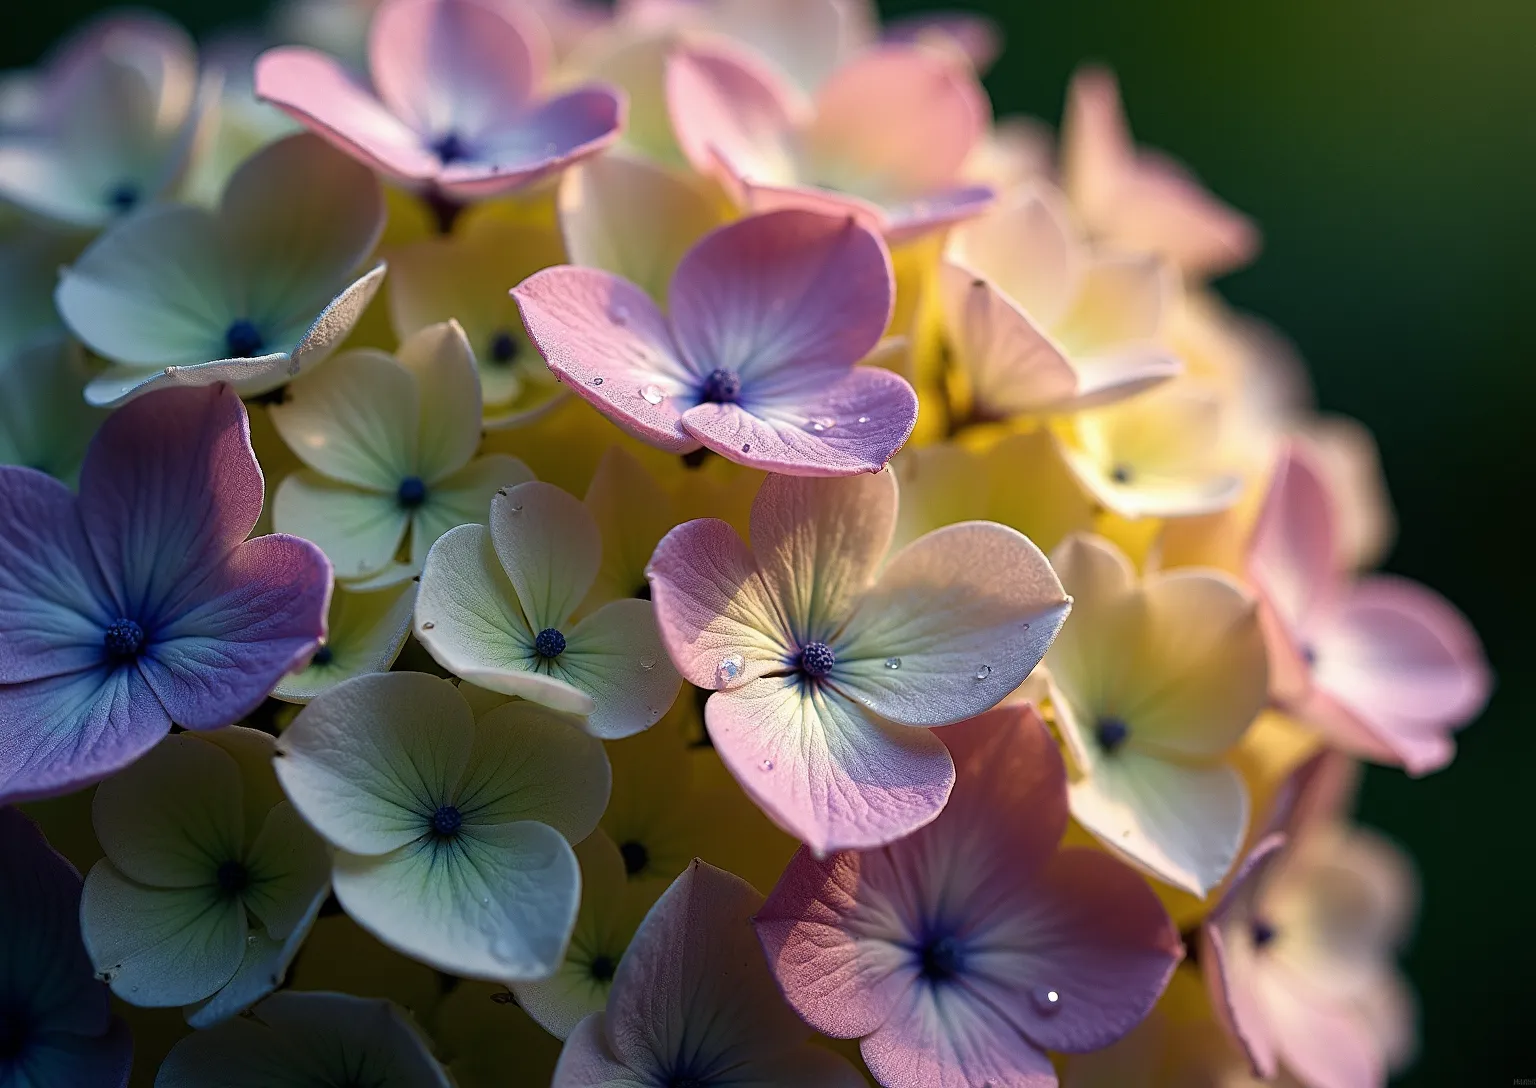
636	857
1111	733
817	659
503	348
602	968
1309	654
412	492
243	340
446	821
941	959
1263	933
123	639
450	147
123	197
549	643
233	877
1122	474
721	387
322	656
15	1032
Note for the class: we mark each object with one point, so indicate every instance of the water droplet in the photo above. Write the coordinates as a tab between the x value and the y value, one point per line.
647	663
729	669
620	314
1047	1000
428	625
893	663
502	492
746	447
652	394
983	671
597	380
766	765
821	423
863	419
516	507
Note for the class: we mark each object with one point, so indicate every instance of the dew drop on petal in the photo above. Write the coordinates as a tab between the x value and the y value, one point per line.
428	625
1047	1000
893	663
597	380
821	423
647	663
863	419
652	394
746	447
766	765
620	314
983	671
729	669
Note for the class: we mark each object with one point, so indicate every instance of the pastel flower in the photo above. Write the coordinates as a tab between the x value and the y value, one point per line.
1299	954
234	125
1142	200
44	421
693	1003
884	139
1345	452
756	361
455	105
463	277
112	126
390	445
210	881
1384	667
1157	455
829	661
307	1038
1153	683
364	634
964	952
57	1023
1039	322
252	293
496	608
452	836
611	910
141	603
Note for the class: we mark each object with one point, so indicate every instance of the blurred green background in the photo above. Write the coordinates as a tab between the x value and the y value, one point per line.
1388	151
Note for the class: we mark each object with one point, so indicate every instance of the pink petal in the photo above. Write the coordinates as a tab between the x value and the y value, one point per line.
822	769
899	120
1005	760
733	115
944	1037
852	424
451	66
1321	1043
788	289
1292	553
539	143
606	339
1227	959
910	219
324	97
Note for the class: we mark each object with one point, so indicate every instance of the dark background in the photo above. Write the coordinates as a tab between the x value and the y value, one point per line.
1387	148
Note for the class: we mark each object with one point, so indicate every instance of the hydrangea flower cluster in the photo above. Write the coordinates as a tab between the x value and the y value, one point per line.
661	545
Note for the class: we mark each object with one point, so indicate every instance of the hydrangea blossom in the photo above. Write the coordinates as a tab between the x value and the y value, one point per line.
182	295
455	105
141	603
755	359
453	836
693	1002
966	950
365	633
828	661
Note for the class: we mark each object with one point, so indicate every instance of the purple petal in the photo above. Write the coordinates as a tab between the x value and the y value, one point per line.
786	289
55	604
544	141
943	1037
834	426
606	339
169	486
65	732
255	618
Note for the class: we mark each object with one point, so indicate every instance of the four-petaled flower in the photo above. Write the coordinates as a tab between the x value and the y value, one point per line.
828	666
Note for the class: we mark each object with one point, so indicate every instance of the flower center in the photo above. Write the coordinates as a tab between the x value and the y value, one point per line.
412	492
123	639
450	147
549	643
242	339
322	656
504	348
817	659
446	821
1309	654
721	387
1263	933
123	197
1122	473
602	968
1111	733
636	857
233	878
941	959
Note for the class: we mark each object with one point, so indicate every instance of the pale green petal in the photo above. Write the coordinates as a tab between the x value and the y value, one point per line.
448	431
355	420
549	546
464	498
617	657
160	946
364	634
287	866
495	902
266	962
368	762
172	818
252	750
533	763
359	531
44	420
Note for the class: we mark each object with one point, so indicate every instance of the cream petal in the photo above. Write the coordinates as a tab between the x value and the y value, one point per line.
359	531
364	634
448	387
355	420
1026	247
616	656
549	547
